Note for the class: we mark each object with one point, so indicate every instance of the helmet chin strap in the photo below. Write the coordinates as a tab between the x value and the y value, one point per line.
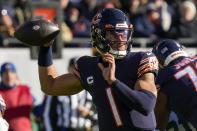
118	54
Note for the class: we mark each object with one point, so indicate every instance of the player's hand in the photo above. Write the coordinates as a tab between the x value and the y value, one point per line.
108	72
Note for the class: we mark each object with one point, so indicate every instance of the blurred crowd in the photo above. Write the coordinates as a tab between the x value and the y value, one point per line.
152	19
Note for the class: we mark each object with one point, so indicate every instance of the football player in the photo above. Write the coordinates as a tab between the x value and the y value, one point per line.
121	83
177	82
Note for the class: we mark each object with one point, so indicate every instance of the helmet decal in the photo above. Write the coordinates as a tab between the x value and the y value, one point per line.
164	50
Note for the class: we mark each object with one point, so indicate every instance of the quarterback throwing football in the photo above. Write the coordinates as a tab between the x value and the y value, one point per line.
121	82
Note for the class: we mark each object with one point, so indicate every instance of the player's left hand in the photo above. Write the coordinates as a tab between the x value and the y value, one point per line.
108	72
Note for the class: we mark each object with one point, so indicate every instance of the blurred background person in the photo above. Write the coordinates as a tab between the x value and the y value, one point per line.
185	25
22	10
87	8
166	13
7	27
133	8
82	28
17	98
154	23
67	35
3	123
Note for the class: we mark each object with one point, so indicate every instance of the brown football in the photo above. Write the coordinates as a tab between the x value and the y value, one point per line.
37	32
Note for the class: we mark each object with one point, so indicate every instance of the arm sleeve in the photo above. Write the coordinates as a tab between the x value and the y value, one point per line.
141	100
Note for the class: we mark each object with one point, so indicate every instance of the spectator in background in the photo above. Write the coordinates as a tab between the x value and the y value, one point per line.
108	4
185	26
133	7
69	113
22	11
67	35
87	8
117	3
3	123
82	27
154	23
166	13
17	98
195	2
100	5
7	2
78	23
71	15
7	27
148	24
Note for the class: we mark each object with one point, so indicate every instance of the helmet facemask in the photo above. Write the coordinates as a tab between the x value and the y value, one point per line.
116	41
111	32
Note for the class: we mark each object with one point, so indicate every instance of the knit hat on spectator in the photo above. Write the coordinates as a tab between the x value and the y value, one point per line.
7	66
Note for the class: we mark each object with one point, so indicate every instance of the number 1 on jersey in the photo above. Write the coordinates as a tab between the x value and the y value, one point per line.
113	107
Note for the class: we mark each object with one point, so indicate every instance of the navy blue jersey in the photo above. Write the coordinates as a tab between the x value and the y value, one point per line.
113	114
179	82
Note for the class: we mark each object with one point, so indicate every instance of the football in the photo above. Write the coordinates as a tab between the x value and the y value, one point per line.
37	32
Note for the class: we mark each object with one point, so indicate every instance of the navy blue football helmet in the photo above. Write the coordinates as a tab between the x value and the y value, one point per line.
111	27
168	50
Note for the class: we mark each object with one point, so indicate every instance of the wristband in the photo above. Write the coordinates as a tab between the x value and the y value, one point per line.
45	56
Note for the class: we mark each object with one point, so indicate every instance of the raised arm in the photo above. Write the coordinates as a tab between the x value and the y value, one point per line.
51	83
